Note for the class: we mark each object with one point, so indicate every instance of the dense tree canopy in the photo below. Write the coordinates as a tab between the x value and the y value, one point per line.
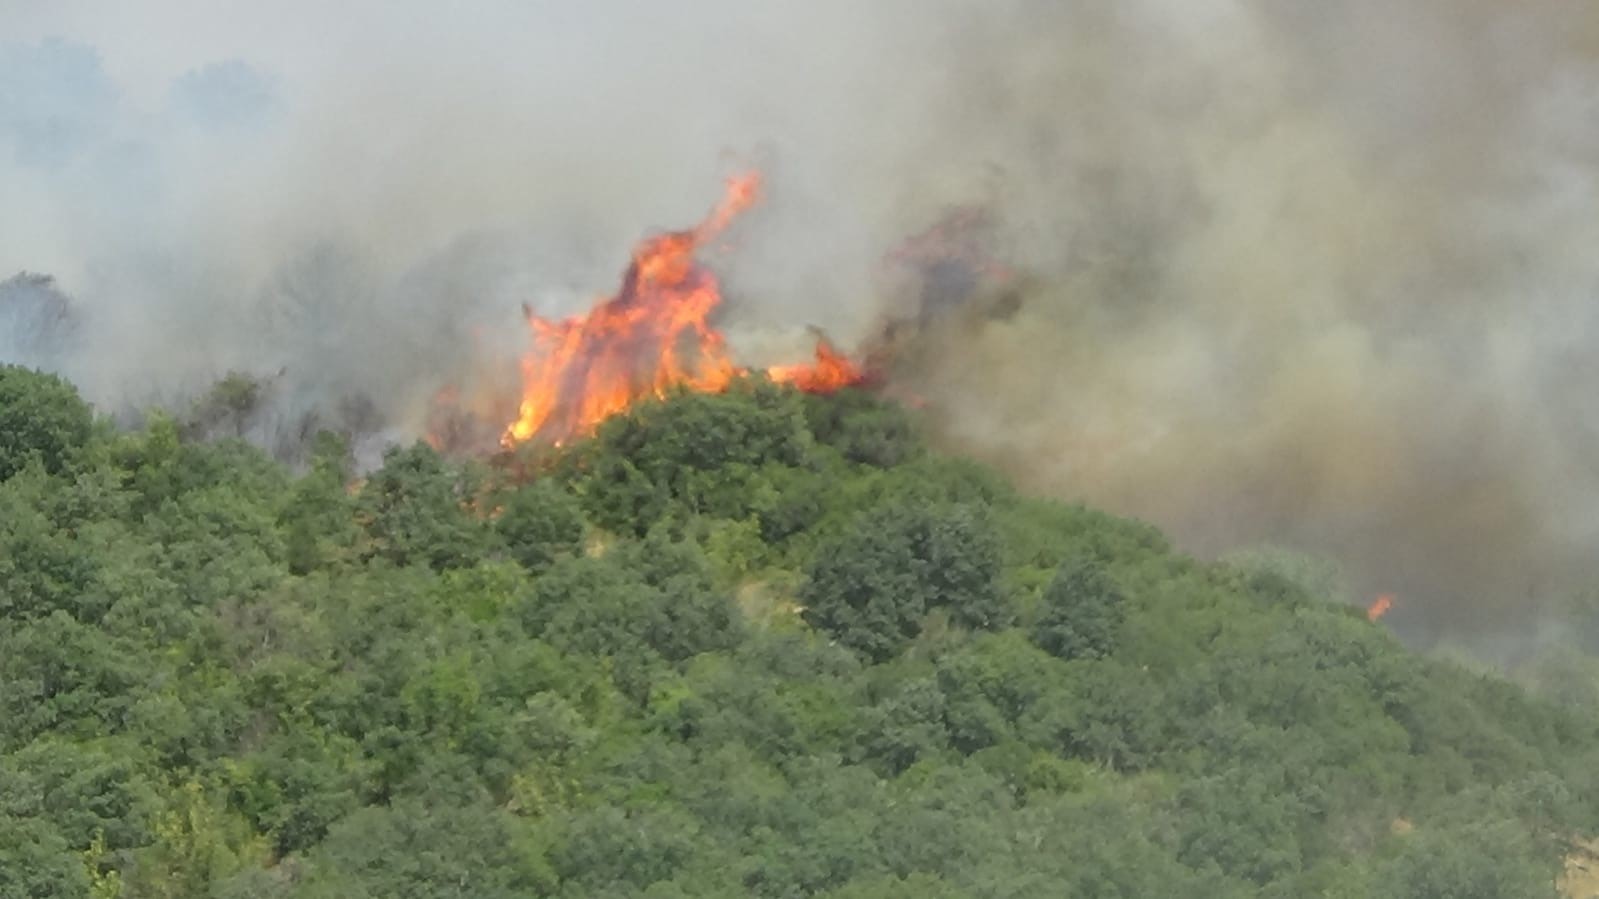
42	419
872	587
750	644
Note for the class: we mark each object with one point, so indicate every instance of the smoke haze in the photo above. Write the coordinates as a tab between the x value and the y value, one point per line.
1321	275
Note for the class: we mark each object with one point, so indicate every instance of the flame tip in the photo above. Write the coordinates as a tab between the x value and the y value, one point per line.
652	336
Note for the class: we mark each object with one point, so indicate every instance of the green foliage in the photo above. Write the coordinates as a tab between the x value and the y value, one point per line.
42	419
226	409
749	644
539	524
1475	860
697	454
653	600
58	676
416	850
87	790
871	588
1082	612
753	424
415	510
37	862
1284	572
197	843
319	520
611	851
42	566
863	429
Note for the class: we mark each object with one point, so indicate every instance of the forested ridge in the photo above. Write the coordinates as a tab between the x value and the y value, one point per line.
755	643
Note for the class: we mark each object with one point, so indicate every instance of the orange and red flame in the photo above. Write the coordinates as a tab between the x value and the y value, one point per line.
831	371
1379	607
652	336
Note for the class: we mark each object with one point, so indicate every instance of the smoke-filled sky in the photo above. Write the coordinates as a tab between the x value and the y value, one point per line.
1316	274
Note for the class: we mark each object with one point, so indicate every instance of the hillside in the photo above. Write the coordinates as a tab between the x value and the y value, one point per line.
756	643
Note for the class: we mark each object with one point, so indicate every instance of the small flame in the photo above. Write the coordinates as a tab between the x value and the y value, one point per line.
830	372
652	336
1379	607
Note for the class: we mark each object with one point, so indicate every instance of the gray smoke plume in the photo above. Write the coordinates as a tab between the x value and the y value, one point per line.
1315	274
1318	274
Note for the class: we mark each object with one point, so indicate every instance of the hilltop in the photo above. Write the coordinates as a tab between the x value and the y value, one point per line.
749	643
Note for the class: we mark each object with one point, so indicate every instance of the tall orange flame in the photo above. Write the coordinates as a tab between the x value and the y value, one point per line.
652	336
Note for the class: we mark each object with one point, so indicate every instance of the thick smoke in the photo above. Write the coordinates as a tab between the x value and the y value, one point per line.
1320	274
1316	274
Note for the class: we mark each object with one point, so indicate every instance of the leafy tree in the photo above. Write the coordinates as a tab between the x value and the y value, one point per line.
63	677
541	523
197	845
990	684
416	512
1245	823
226	410
619	497
41	418
657	599
789	502
695	454
863	429
413	851
319	519
218	544
160	468
295	786
906	726
609	850
36	862
1082	612
751	424
1276	572
42	566
86	790
1478	860
870	588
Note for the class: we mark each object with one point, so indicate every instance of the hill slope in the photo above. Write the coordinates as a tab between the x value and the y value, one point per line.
747	644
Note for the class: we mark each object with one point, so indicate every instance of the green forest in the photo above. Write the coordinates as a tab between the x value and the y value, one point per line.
756	643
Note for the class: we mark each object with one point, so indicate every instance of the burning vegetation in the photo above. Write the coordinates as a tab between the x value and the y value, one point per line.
658	333
1379	607
655	335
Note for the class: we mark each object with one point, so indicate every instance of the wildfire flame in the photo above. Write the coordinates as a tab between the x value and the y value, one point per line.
831	371
1379	607
654	335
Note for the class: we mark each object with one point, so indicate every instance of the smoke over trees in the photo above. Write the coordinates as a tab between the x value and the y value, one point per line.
1315	274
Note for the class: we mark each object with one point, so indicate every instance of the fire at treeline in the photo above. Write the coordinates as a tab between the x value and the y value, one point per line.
658	333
